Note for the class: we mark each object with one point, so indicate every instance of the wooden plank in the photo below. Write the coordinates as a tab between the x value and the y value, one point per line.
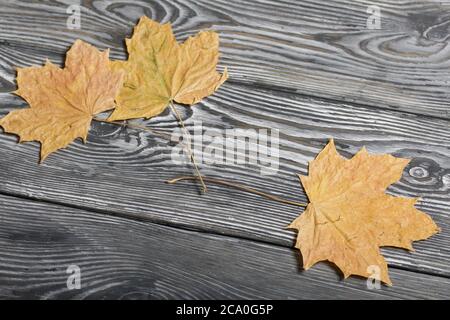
120	258
122	171
310	47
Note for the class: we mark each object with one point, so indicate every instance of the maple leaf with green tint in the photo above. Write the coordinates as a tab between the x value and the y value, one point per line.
159	70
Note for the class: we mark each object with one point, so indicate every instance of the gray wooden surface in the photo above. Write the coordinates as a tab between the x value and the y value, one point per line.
310	69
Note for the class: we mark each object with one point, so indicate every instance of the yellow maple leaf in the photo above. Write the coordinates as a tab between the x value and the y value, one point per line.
159	70
63	101
349	215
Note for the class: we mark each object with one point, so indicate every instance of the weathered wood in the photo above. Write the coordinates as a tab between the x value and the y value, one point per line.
122	171
297	48
123	259
311	47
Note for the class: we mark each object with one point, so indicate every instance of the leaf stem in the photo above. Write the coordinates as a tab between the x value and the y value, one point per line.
239	187
135	126
188	146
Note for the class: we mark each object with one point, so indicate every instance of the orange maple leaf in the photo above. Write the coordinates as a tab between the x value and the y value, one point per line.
63	101
350	216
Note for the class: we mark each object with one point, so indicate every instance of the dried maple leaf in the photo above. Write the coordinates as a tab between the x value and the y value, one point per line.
349	216
159	70
63	101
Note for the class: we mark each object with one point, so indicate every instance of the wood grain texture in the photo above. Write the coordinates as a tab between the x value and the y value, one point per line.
122	171
123	259
310	47
280	54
